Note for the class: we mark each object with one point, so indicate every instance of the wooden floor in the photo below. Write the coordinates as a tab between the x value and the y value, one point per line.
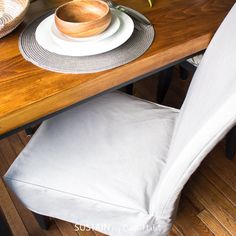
208	201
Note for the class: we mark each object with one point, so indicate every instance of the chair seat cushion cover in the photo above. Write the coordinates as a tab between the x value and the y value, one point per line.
97	164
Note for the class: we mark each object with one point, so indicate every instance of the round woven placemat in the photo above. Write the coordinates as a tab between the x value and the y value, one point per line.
136	45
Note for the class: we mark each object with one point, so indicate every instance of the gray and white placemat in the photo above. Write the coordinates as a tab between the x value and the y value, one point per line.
136	45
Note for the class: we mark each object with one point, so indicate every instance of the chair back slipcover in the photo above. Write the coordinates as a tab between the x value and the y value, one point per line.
208	112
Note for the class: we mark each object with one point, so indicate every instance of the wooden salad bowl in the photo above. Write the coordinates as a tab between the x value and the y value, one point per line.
83	18
12	13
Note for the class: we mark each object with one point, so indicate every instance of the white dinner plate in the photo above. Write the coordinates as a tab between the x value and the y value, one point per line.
63	39
44	38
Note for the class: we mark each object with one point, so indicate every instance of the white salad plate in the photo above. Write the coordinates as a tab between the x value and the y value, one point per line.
63	39
45	39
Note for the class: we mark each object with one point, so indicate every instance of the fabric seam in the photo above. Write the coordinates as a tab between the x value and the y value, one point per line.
78	196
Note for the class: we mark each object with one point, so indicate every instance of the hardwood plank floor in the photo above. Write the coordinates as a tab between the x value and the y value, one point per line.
207	206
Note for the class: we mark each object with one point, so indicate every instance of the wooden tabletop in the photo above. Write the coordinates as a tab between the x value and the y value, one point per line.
28	93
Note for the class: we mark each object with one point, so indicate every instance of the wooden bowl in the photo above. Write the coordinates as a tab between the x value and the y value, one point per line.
12	13
83	18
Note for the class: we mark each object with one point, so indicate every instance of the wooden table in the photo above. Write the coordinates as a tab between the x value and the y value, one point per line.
29	94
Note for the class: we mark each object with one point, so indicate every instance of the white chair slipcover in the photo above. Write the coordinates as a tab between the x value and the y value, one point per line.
118	163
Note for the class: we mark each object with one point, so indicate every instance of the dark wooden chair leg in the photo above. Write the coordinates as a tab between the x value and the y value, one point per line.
43	221
164	84
231	144
4	227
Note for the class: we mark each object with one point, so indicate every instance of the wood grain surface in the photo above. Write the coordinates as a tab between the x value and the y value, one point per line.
28	93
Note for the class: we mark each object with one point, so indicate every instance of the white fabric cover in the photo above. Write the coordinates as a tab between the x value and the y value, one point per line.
208	112
97	164
105	163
